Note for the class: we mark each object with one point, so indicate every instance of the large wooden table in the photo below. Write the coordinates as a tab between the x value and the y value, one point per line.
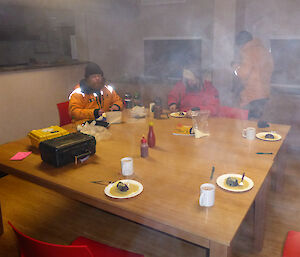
171	176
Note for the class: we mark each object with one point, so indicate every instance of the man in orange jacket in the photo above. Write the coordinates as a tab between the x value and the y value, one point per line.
93	96
254	70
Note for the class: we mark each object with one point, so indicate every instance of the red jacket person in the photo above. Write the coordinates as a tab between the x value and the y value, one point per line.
191	92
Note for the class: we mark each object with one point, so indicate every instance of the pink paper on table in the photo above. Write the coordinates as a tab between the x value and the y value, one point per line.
20	156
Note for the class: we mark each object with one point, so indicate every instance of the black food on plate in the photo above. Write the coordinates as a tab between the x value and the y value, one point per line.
122	187
181	113
269	136
232	182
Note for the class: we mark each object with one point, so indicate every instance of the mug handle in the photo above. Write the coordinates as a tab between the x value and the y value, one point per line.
244	133
201	200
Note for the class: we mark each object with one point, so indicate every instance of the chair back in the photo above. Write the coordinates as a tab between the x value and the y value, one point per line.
64	116
292	244
30	247
233	113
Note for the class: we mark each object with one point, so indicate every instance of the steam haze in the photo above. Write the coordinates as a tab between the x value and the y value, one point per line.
111	33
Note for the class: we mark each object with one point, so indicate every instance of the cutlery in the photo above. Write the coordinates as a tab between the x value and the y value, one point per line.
241	183
263	153
102	182
212	172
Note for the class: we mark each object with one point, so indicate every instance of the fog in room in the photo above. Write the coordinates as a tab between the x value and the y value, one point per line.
142	46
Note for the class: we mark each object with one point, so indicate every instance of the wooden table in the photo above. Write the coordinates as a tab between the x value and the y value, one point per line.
171	176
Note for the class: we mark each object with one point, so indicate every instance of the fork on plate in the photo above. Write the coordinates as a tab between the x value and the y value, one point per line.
102	182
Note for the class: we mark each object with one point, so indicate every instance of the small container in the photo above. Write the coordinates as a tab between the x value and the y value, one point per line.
137	99
128	101
157	108
151	135
144	147
74	147
39	135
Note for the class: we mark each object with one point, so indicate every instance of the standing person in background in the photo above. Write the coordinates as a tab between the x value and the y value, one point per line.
93	96
254	70
191	92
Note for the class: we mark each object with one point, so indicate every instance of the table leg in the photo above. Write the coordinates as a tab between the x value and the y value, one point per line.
259	216
219	250
1	222
278	168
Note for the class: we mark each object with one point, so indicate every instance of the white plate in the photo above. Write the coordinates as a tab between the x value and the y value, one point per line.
262	135
178	114
127	182
221	181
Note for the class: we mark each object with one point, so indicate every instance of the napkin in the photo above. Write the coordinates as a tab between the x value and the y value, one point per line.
199	133
99	132
138	112
20	156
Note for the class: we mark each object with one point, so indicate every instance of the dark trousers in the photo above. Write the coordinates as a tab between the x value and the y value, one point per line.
256	108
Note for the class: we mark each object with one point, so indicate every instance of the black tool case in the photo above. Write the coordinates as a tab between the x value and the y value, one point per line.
66	149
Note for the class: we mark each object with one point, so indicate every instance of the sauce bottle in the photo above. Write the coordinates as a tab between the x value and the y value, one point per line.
157	109
144	147
151	136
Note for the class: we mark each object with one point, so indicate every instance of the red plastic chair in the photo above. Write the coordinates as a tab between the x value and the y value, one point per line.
292	245
80	247
233	113
64	116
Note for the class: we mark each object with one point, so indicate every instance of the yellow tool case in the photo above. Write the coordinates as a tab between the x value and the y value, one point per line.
39	135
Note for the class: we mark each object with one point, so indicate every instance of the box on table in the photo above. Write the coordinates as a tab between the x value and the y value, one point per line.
39	135
67	149
113	117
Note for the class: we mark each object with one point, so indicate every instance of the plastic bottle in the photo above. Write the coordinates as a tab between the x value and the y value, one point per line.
151	136
128	101
144	148
137	99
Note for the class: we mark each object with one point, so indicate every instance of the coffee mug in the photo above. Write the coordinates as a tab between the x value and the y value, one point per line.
249	133
127	166
207	195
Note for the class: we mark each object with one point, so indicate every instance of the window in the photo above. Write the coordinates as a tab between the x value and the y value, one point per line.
165	58
286	54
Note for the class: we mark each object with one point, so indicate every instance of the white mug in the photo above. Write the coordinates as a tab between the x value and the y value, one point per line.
249	133
207	195
127	166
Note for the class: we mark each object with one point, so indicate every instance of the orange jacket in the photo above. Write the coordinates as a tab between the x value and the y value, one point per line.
255	71
86	106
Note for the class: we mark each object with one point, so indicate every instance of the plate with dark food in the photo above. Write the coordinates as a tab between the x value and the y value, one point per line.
125	188
178	114
268	136
232	182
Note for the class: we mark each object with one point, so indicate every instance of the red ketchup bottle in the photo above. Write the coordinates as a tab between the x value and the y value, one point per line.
144	148
151	136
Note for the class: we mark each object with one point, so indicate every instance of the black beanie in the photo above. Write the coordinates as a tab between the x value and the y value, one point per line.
243	37
92	68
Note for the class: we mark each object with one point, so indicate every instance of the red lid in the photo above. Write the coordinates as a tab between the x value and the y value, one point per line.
143	141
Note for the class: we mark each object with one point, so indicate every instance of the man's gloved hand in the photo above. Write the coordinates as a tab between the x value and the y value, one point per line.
100	112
